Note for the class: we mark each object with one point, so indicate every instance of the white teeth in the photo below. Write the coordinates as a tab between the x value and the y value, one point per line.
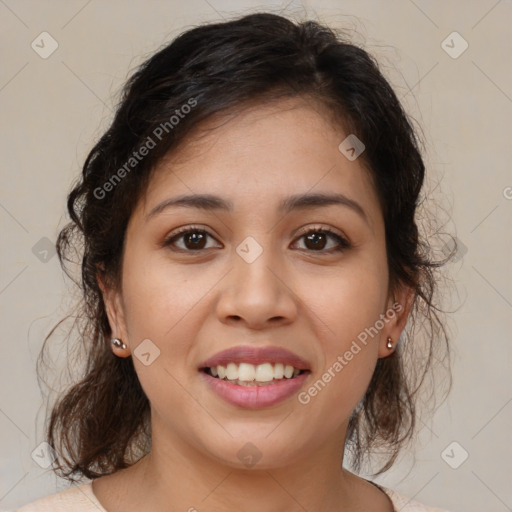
232	371
264	373
288	371
247	374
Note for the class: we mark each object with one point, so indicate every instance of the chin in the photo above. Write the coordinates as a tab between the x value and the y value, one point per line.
254	450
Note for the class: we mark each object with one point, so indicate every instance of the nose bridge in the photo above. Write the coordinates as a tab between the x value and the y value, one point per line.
255	292
252	262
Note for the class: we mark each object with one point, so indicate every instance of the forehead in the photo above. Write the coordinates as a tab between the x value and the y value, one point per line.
262	155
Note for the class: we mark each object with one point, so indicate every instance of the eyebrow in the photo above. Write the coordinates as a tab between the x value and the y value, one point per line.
211	202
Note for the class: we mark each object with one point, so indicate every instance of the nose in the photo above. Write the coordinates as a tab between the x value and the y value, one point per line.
258	294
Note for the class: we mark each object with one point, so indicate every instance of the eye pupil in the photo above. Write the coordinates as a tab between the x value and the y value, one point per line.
197	239
315	238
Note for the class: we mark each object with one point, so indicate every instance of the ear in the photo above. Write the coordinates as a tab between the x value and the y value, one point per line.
115	313
397	312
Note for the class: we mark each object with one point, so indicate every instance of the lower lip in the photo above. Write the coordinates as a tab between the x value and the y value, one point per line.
255	397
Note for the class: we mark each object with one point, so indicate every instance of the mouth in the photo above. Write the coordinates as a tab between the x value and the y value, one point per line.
247	374
255	377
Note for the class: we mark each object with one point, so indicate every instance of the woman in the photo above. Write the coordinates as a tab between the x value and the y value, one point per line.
251	260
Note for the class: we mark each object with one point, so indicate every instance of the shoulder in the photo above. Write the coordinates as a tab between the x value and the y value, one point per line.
403	504
78	498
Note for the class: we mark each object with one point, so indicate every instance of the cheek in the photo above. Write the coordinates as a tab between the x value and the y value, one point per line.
348	300
347	307
159	306
157	297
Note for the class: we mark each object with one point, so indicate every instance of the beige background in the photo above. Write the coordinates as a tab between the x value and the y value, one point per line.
53	109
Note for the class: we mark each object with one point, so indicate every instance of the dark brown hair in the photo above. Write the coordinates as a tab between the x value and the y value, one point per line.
101	423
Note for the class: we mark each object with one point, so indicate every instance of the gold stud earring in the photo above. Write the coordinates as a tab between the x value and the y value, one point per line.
389	343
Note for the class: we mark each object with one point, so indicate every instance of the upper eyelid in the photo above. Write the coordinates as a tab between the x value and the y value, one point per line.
319	227
300	231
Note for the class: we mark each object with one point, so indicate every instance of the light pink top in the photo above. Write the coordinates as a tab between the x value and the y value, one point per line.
80	498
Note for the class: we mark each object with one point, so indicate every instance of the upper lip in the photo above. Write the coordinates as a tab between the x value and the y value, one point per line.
255	356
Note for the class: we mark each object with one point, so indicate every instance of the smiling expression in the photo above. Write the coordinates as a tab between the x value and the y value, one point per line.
284	247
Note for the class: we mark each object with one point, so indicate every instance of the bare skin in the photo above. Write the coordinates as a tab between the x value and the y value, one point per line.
312	301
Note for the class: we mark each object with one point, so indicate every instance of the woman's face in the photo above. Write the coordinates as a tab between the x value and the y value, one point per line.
257	276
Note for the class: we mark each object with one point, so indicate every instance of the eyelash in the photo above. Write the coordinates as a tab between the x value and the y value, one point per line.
343	243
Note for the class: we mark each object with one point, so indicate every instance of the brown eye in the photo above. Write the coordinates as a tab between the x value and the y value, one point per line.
193	239
316	240
196	240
